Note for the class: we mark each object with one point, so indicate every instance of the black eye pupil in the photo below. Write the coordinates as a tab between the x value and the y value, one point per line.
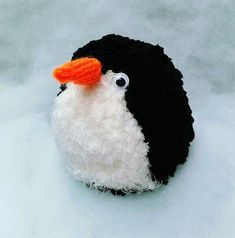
121	82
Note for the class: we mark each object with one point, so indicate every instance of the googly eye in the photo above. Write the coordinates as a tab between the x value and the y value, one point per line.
121	80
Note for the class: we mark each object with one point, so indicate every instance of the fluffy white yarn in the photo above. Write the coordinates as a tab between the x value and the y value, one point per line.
100	138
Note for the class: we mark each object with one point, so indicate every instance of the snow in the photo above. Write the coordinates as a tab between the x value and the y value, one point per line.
38	197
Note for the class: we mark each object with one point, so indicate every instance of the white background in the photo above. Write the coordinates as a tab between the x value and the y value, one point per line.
38	198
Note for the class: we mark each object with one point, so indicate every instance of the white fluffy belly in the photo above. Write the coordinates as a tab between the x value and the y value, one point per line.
100	139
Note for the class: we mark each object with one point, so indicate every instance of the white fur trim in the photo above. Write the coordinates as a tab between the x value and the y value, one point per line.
100	138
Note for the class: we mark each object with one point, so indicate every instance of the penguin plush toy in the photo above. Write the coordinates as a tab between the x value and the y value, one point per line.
122	119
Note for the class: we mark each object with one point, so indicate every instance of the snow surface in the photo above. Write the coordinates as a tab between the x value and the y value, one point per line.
38	197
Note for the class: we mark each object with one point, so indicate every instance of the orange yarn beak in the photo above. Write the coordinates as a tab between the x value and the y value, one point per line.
84	71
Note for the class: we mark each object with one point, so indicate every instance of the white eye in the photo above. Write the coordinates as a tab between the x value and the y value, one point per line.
121	80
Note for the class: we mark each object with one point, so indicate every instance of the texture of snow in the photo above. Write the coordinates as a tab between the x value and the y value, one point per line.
38	197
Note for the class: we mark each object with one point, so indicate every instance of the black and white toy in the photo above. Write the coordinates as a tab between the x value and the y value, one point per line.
122	119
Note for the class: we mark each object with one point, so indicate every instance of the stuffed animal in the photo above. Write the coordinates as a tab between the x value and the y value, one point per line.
122	119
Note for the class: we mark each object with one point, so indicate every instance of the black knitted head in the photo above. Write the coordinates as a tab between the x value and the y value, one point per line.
155	97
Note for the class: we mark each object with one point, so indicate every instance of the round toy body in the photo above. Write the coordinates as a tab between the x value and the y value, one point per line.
122	121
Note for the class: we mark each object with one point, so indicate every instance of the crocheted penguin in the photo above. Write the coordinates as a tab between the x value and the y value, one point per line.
122	119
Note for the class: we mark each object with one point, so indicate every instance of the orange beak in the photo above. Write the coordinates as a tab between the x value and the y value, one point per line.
84	71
